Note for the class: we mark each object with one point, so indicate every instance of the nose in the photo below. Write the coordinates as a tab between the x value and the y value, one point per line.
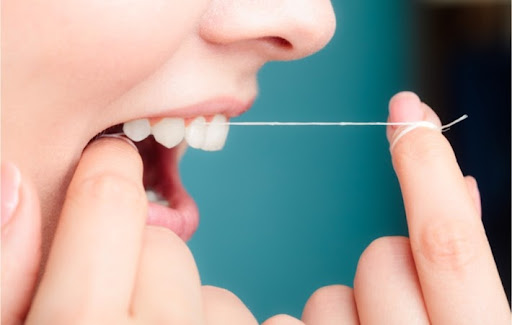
278	29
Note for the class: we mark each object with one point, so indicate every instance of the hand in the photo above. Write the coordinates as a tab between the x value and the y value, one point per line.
445	273
105	265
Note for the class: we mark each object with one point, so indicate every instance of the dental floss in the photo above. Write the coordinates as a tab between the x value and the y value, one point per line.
427	125
412	124
408	129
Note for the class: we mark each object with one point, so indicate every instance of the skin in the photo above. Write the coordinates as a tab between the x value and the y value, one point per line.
72	68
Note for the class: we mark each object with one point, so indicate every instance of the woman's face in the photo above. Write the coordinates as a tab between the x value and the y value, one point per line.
73	68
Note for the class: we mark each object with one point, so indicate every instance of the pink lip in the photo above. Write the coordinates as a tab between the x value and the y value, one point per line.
222	105
182	217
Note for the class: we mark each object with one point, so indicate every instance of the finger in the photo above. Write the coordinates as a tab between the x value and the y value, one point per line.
401	112
282	320
474	193
456	269
386	286
167	289
222	307
93	259
331	305
21	240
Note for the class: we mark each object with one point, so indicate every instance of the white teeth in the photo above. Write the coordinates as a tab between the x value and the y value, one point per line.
216	133
152	196
196	132
137	130
157	198
169	132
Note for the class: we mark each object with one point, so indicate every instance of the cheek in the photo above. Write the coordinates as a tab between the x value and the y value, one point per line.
100	44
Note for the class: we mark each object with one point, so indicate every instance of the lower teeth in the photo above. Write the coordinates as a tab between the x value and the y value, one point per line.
156	198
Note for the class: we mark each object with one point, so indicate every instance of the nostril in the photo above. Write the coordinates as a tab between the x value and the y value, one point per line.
278	42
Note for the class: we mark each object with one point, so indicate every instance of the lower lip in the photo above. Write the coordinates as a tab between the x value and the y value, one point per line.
182	219
182	214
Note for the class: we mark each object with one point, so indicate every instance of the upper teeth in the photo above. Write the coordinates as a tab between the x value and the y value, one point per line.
196	132
216	133
137	130
171	131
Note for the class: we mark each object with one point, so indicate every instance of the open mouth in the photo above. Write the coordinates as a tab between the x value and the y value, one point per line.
161	143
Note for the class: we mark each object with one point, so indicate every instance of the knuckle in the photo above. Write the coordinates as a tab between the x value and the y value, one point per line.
219	293
381	248
386	244
449	245
381	255
472	184
329	298
425	147
161	236
166	243
110	187
219	302
282	319
471	180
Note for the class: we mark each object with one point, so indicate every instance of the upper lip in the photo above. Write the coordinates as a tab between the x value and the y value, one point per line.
228	106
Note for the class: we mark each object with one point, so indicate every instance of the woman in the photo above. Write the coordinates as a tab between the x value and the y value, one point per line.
76	72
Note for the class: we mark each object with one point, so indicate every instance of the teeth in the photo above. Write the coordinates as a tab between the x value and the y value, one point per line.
137	130
196	132
216	133
169	132
152	196
157	198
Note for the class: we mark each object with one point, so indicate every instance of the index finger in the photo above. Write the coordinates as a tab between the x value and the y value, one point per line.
93	260
456	269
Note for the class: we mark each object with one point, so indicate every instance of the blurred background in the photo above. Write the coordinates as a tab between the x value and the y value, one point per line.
287	210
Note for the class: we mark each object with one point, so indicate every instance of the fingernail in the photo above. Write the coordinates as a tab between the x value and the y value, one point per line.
121	137
11	180
405	107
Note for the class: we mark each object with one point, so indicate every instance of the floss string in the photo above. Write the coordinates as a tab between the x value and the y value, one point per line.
411	125
418	123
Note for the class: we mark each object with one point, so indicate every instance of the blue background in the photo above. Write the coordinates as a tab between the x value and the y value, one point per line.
286	210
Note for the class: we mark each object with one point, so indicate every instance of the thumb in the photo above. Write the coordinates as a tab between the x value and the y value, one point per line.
21	238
